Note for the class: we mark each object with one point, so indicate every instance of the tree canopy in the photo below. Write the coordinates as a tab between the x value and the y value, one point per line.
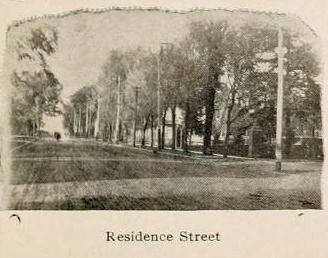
36	88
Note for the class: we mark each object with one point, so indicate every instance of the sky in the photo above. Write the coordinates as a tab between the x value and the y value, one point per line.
85	39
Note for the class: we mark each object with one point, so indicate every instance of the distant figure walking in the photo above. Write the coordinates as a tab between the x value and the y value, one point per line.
57	136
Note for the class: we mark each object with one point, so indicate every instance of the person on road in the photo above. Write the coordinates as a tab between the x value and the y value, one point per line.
57	136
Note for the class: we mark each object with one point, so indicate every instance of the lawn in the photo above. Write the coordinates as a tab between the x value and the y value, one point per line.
84	162
143	180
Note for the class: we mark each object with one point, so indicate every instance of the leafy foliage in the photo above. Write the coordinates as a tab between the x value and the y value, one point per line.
36	91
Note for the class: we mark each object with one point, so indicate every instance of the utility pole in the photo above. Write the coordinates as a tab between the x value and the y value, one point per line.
159	99
97	119
90	117
135	116
37	120
281	51
74	122
118	114
86	119
80	126
159	69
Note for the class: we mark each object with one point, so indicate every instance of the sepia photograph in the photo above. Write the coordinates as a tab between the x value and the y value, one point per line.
155	109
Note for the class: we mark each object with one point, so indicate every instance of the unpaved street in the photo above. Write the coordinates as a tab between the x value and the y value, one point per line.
81	174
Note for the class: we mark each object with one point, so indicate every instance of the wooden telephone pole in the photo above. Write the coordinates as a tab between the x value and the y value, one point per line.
118	114
96	132
74	122
281	51
135	116
159	112
79	122
159	140
86	119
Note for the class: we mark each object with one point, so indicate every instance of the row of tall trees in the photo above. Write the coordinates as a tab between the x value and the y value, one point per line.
81	113
222	77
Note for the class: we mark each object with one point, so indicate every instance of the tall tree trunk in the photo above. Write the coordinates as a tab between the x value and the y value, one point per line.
27	129
313	132
79	124
185	129
33	128
209	114
74	122
173	112
125	132
110	136
117	125
226	138
105	131
212	82
143	142
163	128
134	132
37	125
86	119
107	138
228	124
216	138
185	139
121	132
135	117
97	121
152	132
91	126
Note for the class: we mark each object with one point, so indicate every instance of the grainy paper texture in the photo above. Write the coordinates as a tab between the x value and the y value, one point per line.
100	70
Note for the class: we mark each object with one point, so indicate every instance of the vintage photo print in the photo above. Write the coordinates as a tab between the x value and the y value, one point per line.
153	109
163	128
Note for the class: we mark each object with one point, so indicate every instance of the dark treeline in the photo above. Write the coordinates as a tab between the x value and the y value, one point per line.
221	77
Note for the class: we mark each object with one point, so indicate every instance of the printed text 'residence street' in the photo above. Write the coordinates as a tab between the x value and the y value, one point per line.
182	236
